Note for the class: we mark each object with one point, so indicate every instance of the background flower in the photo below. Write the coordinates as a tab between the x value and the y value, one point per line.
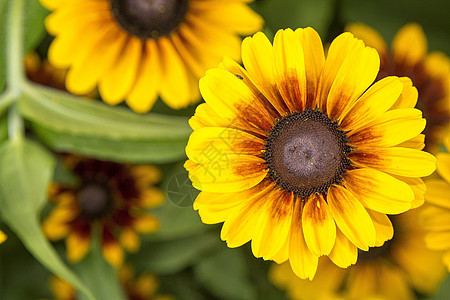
430	73
402	268
138	50
436	216
108	195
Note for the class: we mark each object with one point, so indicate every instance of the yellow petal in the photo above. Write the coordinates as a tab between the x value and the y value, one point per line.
77	246
370	36
289	67
390	129
174	74
379	191
436	218
144	93
224	140
272	228
351	217
319	229
206	117
145	223
395	160
235	16
113	253
439	240
408	97
443	165
344	253
314	60
118	81
303	262
438	193
374	102
227	173
129	239
230	98
84	74
409	45
383	227
239	227
355	75
3	237
258	59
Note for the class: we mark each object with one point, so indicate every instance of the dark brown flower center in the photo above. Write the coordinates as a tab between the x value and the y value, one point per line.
306	153
95	201
149	18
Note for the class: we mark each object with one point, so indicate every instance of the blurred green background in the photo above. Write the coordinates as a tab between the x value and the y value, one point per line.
189	257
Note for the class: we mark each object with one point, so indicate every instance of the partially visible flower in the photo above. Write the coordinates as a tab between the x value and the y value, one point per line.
398	270
305	155
42	72
3	237
429	72
436	216
110	195
138	49
144	287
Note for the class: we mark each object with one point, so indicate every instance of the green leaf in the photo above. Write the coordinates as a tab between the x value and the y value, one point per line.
3	18
432	15
35	14
280	14
225	275
169	257
68	123
25	173
100	276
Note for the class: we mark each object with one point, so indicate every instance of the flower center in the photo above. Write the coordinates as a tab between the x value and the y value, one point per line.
95	201
306	153
149	18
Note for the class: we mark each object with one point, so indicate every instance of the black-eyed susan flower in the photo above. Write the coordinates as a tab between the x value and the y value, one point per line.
398	270
429	72
436	216
303	155
138	49
108	195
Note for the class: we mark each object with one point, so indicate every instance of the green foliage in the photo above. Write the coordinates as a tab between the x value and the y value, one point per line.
99	276
25	173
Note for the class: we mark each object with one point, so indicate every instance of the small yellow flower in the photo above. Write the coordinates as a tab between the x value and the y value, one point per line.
112	195
138	49
398	269
305	155
437	215
429	72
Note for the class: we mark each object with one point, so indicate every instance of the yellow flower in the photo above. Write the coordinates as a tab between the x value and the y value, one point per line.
398	269
111	195
437	215
304	155
429	72
137	49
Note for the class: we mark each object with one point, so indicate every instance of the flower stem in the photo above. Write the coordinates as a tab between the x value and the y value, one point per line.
14	47
15	124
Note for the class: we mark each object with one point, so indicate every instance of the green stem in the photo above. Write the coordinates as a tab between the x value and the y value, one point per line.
15	124
14	47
